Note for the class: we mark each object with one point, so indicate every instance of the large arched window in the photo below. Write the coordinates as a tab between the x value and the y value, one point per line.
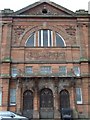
45	38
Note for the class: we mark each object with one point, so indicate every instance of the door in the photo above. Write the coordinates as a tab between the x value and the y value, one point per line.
28	104
64	99
46	104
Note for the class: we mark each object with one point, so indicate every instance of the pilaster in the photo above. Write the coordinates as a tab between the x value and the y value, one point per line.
18	96
56	101
36	103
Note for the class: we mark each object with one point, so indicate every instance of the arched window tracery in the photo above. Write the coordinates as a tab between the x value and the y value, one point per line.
46	38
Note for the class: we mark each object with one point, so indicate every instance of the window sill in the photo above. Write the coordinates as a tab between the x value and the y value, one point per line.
12	104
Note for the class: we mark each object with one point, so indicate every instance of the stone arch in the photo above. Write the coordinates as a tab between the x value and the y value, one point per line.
30	30
28	85
44	84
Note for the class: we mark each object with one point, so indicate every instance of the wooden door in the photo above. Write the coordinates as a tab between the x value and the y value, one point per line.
64	99
28	104
46	104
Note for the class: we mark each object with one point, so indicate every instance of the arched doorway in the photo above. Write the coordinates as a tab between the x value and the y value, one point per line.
46	104
64	99
28	104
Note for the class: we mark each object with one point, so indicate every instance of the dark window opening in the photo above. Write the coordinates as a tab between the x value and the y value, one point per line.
44	11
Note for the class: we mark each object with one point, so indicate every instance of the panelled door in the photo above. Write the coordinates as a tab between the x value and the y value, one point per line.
28	104
46	104
64	99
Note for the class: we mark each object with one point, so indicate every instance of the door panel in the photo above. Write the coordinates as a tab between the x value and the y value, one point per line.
28	104
46	104
64	99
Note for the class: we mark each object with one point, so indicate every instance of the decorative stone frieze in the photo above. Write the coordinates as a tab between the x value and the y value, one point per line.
44	56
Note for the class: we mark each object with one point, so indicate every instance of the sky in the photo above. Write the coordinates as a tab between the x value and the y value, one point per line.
72	5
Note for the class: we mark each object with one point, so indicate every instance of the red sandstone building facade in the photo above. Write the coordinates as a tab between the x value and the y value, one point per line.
44	61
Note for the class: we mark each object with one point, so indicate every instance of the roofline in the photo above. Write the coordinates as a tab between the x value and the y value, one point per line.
45	16
70	14
48	2
27	7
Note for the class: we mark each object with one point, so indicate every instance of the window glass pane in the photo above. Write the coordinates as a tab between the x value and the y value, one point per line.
78	95
62	70
40	38
59	41
45	37
28	70
50	38
12	96
30	41
76	70
0	97
45	69
14	72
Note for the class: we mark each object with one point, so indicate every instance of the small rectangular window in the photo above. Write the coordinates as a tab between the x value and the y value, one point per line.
79	95
45	70
12	96
14	72
28	70
76	70
62	70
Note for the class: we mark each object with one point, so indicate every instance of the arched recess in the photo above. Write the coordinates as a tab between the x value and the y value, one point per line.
64	99
46	104
28	103
30	31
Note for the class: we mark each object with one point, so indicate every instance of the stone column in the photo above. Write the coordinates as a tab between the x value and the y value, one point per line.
73	102
36	102
6	41
5	79
5	96
5	32
18	96
89	100
82	37
56	101
73	98
0	43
